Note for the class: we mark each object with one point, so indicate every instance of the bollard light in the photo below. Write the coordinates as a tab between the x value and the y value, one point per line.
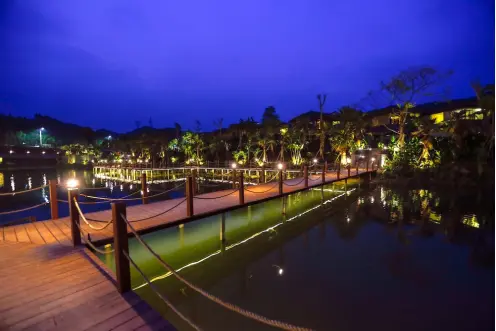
348	160
280	166
234	165
72	184
315	160
372	159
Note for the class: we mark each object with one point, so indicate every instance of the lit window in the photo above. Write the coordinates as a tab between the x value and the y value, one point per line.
437	118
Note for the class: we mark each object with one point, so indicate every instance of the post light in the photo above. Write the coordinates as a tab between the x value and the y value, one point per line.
11	151
348	160
315	160
72	184
43	152
234	165
372	159
27	152
280	271
280	166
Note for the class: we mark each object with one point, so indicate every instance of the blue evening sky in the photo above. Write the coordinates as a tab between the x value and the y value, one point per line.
109	63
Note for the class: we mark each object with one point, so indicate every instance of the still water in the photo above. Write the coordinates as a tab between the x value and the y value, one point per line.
380	259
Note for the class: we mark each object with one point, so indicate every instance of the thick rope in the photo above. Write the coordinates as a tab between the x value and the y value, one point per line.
270	188
24	209
155	290
86	221
230	306
87	241
132	199
159	214
217	197
296	184
25	191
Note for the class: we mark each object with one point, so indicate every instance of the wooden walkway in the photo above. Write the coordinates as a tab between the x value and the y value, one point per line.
59	231
52	287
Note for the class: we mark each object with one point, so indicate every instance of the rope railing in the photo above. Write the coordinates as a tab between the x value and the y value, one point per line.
86	220
157	293
269	189
217	197
89	243
22	192
230	306
295	184
161	213
23	209
132	199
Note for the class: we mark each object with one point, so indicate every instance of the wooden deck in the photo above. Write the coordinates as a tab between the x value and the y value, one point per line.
52	287
58	231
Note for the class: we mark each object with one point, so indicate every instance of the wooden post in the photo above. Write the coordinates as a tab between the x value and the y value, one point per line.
263	174
241	188
339	170
74	217
280	181
305	175
234	178
349	170
324	169
367	164
54	206
122	270
356	165
193	176
144	189
189	196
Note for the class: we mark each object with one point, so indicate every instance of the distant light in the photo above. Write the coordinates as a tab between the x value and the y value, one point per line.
58	153
11	151
72	183
43	152
280	166
315	160
348	160
109	137
234	165
42	129
348	219
362	156
385	147
256	159
27	152
372	159
281	271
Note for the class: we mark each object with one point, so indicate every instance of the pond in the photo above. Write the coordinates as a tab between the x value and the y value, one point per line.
381	259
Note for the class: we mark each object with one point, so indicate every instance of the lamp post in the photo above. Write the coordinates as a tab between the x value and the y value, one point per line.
41	138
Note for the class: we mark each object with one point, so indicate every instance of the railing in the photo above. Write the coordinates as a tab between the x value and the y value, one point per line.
121	224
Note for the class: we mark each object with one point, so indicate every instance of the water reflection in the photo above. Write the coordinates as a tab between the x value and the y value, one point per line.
360	258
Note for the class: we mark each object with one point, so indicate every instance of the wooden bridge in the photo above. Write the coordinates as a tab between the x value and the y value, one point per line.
59	280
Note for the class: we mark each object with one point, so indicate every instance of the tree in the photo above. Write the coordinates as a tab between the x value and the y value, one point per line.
405	89
348	134
322	99
177	126
270	118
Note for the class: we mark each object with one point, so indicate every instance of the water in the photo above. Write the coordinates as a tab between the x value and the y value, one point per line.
385	259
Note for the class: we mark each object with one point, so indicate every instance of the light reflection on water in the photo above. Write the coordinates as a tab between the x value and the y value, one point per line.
374	263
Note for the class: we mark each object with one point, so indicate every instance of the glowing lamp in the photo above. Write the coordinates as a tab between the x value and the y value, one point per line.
348	160
315	161
28	152
11	151
43	152
372	159
281	271
72	184
280	166
233	165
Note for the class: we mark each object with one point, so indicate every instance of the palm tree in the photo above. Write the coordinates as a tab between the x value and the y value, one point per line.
425	128
322	99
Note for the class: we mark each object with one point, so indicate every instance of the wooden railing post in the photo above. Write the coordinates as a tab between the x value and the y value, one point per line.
144	189
367	164
241	188
356	165
338	173
234	178
349	170
262	175
280	181
74	217
189	196
121	246
324	169
305	175
54	206
193	176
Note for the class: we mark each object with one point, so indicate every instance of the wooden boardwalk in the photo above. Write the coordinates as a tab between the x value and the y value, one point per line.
52	287
59	231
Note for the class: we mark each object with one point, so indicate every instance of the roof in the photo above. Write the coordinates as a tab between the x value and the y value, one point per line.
429	108
313	116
